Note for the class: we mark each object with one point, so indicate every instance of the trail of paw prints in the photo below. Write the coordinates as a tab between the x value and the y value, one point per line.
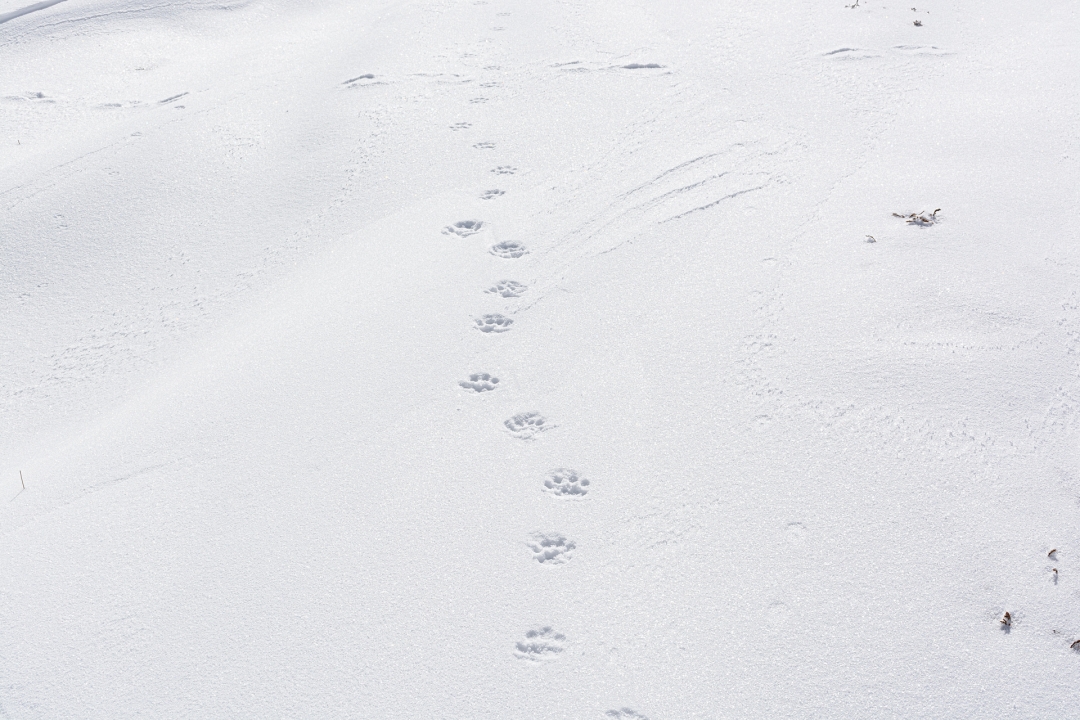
493	323
527	425
566	483
509	250
464	228
508	289
551	548
540	644
480	382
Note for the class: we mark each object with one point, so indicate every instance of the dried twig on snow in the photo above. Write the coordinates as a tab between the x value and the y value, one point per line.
920	218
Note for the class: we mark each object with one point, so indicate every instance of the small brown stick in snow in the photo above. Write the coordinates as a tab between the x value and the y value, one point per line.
21	480
1076	645
1051	554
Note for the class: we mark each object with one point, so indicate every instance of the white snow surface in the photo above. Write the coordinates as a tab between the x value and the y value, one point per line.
739	462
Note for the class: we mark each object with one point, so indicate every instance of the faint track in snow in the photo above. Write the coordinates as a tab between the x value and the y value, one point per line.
851	53
854	53
81	494
699	184
922	50
581	66
691	186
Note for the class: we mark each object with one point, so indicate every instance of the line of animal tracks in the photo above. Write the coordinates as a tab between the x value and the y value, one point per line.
541	643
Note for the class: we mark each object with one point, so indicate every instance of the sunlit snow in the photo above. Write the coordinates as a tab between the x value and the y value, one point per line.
515	360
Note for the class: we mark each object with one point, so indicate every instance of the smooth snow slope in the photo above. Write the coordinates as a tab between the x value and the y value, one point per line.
247	309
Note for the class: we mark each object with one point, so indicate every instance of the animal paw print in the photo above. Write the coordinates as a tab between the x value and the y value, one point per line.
492	194
525	426
484	145
509	250
493	323
478	100
504	170
480	382
464	228
491	84
564	482
540	644
461	126
508	289
551	548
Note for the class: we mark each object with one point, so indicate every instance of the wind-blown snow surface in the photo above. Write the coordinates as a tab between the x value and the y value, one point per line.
292	448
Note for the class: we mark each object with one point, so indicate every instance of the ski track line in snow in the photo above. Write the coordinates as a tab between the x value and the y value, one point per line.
691	186
28	9
168	6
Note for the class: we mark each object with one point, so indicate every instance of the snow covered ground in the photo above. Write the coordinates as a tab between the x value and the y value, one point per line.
261	264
